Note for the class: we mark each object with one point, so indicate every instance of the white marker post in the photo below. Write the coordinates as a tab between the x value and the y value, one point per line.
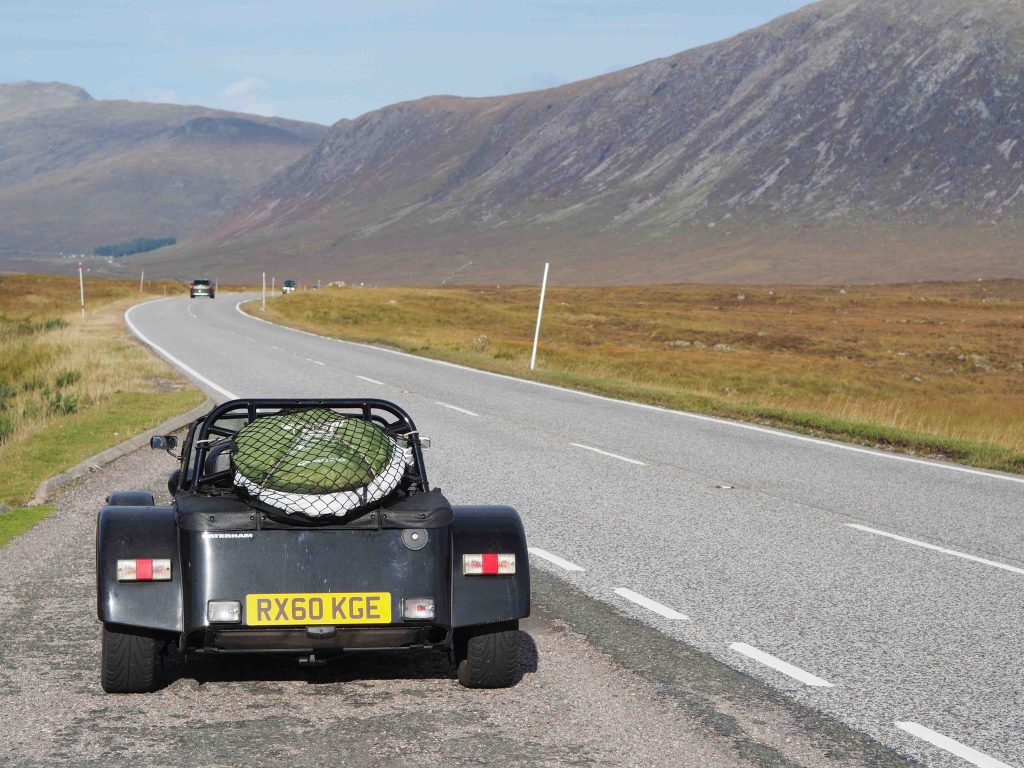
81	288
273	285
264	291
540	311
142	279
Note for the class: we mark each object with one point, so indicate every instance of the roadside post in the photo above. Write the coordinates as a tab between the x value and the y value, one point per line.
142	279
273	285
540	311
81	288
264	291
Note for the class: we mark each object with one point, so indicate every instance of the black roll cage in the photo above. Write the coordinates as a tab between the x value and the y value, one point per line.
205	431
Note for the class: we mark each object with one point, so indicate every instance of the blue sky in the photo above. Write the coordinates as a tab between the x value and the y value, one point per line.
322	61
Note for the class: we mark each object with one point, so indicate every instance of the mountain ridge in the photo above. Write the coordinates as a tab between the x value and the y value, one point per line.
77	172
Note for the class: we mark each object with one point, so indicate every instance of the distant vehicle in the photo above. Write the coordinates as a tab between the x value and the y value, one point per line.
200	288
288	286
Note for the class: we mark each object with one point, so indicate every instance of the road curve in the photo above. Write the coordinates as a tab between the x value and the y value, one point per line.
880	589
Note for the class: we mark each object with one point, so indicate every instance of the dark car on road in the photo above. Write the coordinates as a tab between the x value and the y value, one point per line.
306	528
200	288
288	286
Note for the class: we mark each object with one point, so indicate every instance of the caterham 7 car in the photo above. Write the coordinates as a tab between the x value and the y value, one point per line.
306	528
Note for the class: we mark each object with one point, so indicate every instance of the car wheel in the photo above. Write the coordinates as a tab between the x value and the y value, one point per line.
488	656
132	659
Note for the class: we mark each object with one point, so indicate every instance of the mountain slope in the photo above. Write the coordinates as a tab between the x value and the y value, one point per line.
851	140
76	172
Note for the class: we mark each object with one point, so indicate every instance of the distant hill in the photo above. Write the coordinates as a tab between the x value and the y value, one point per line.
853	140
76	172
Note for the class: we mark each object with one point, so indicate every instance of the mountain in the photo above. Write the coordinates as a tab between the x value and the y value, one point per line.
852	140
76	172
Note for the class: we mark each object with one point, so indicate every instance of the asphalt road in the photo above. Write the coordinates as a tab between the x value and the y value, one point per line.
742	537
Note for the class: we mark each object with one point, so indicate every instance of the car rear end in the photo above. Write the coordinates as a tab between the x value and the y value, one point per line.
200	288
261	585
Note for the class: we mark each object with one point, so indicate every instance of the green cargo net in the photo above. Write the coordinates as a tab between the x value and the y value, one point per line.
316	462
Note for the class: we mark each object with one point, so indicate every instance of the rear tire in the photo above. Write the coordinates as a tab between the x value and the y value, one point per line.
488	656
132	659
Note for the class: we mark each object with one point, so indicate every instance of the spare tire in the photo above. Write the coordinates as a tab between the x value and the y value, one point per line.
316	462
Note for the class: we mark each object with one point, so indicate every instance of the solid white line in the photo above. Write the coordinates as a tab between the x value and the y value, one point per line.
456	408
659	409
779	665
933	547
310	359
372	381
651	605
171	358
559	561
972	756
605	453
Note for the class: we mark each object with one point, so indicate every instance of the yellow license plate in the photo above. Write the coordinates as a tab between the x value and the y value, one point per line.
318	608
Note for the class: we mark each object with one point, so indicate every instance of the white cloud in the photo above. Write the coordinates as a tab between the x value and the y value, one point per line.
250	94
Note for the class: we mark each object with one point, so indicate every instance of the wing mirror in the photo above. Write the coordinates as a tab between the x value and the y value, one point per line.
164	443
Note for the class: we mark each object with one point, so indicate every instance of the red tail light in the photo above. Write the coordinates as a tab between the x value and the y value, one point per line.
489	564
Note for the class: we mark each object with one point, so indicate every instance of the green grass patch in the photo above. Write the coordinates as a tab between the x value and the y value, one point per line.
61	444
18	521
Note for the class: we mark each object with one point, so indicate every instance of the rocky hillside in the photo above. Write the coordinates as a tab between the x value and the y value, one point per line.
76	172
851	140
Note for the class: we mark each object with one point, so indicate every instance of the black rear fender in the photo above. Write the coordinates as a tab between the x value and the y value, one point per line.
130	533
488	599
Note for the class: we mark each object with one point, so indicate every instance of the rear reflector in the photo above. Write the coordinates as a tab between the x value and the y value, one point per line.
145	569
488	565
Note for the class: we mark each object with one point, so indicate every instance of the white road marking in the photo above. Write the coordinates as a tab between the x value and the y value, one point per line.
559	561
659	409
191	312
933	547
651	605
972	756
277	348
779	665
310	359
605	453
372	381
455	408
171	358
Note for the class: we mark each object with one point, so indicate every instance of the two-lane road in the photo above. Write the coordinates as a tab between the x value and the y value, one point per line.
882	589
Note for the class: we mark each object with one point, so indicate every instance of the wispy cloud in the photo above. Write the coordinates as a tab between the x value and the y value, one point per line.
250	94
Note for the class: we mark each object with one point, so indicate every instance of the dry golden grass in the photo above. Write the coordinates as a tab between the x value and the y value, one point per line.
936	368
65	378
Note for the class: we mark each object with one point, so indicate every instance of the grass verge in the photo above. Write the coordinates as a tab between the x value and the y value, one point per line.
72	386
932	369
18	521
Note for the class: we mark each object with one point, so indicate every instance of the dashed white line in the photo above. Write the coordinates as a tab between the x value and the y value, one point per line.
972	756
651	605
935	548
279	349
455	408
191	313
317	362
605	453
779	665
171	358
647	407
372	381
559	561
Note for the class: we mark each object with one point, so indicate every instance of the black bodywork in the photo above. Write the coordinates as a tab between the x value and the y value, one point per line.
224	547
